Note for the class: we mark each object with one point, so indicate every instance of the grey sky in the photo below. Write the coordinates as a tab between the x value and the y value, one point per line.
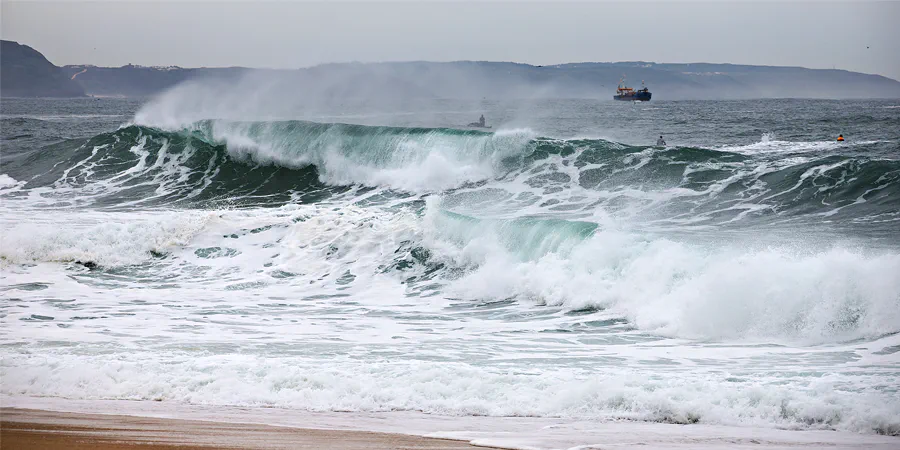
290	35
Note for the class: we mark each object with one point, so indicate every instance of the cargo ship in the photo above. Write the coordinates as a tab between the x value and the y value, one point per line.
628	94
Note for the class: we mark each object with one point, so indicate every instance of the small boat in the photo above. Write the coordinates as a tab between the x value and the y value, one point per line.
628	94
480	123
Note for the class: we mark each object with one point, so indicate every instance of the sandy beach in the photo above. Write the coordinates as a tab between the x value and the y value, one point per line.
28	429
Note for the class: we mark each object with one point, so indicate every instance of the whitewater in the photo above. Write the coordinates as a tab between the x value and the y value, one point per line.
381	267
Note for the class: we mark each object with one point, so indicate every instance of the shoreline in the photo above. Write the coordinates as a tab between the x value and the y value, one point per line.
28	429
55	423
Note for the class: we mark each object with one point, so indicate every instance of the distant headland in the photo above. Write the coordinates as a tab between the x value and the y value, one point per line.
24	72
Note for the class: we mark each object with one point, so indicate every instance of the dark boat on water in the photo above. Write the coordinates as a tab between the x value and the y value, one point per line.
628	94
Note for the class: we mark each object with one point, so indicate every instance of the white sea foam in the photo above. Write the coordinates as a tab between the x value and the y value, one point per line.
9	184
335	328
98	238
6	181
675	288
525	297
679	290
769	143
453	388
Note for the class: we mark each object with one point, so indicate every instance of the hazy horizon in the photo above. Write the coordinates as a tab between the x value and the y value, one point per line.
301	34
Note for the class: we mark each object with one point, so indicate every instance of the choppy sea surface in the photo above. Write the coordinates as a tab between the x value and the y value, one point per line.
557	267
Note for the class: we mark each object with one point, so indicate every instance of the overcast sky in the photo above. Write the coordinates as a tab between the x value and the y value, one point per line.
300	34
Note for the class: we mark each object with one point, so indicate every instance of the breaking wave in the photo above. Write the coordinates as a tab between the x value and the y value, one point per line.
272	162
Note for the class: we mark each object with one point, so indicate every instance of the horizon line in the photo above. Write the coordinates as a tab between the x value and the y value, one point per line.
422	61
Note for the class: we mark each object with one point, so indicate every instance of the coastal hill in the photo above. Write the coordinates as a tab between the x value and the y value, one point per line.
25	72
499	80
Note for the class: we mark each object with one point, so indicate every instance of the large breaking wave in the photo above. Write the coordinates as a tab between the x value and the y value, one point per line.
271	162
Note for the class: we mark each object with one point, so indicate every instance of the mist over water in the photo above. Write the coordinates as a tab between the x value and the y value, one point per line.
214	248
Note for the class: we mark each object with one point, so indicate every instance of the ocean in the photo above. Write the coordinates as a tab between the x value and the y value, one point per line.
365	259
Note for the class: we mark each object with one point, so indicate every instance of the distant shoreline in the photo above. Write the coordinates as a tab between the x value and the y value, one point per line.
27	73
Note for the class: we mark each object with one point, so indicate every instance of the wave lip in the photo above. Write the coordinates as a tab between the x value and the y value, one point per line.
410	159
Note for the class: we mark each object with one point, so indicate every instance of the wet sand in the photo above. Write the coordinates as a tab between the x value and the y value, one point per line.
29	429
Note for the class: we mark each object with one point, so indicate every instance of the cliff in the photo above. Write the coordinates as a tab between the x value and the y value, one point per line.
25	72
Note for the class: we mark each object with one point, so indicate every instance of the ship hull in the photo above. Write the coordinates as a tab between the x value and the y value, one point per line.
638	96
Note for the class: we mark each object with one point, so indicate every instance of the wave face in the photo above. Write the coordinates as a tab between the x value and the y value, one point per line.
338	267
271	162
